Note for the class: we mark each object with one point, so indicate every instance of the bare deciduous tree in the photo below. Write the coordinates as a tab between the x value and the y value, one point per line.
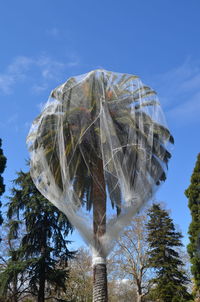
130	257
79	283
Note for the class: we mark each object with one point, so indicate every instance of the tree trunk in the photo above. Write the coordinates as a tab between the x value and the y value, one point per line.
197	298
140	295
139	298
100	292
41	291
15	289
42	273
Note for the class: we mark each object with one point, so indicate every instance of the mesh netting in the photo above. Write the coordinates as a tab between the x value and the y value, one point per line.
99	152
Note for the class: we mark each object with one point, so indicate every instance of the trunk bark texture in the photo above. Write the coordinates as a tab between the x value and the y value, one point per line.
41	291
100	292
15	289
42	274
139	298
140	295
197	298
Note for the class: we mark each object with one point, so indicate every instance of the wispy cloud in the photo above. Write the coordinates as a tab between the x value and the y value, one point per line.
6	82
12	119
59	33
179	91
54	32
14	72
49	68
39	71
38	88
10	122
188	111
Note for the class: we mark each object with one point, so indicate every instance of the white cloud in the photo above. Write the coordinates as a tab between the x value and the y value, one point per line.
189	110
19	66
50	68
14	72
12	119
11	122
39	71
179	92
54	32
57	33
38	88
74	61
6	83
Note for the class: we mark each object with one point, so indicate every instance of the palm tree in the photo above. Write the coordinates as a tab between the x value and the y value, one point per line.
98	138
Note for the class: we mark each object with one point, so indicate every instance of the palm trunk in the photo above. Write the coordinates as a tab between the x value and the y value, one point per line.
100	292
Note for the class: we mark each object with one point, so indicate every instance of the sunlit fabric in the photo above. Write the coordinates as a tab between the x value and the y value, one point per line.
104	130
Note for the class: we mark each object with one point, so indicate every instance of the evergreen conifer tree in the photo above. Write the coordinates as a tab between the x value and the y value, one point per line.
193	195
170	280
2	168
42	254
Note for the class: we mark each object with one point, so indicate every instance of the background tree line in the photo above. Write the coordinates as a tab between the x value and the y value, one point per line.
147	263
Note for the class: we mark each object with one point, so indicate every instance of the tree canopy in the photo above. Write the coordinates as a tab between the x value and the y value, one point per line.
43	249
170	280
2	168
193	195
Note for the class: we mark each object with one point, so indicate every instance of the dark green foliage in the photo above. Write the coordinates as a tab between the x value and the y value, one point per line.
2	168
43	251
193	195
170	281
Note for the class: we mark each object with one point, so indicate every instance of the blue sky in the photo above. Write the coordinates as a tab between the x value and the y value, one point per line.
45	42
